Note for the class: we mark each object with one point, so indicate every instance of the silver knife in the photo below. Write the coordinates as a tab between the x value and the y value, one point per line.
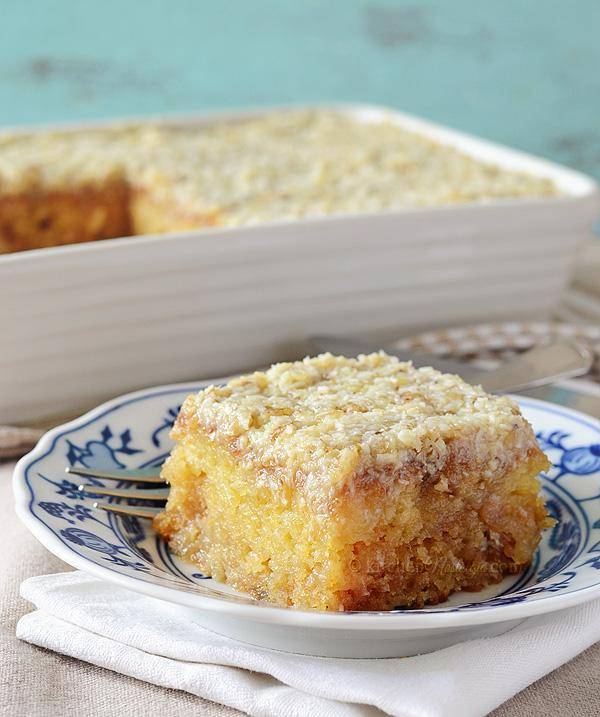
539	366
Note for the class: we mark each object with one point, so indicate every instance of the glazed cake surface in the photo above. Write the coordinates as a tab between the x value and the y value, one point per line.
281	166
353	484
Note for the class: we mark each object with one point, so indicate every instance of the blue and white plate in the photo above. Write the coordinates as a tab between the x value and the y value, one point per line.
133	432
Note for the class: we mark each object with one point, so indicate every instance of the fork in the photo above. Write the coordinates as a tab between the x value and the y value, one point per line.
141	477
539	365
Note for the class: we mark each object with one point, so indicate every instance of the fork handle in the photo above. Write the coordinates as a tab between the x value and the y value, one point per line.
539	366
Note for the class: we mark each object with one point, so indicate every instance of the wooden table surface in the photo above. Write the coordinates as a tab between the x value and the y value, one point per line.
523	73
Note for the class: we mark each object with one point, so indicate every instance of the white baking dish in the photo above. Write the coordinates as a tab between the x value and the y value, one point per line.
83	322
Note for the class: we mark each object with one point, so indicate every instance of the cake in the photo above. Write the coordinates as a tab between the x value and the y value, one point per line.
353	484
60	187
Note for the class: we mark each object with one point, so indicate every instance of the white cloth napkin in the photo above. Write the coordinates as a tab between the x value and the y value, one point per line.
114	628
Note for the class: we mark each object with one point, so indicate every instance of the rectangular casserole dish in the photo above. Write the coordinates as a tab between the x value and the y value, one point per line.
82	322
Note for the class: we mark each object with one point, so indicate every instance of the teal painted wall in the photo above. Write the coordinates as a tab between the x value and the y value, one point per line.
524	73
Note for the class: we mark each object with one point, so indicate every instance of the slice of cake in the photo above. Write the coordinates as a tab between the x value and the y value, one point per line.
353	484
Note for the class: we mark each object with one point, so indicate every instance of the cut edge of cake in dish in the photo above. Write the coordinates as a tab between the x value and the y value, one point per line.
353	484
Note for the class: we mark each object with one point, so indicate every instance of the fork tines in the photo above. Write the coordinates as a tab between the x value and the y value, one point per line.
138	477
135	476
132	510
161	494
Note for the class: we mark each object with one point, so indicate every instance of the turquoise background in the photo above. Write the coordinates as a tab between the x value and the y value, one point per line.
524	73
